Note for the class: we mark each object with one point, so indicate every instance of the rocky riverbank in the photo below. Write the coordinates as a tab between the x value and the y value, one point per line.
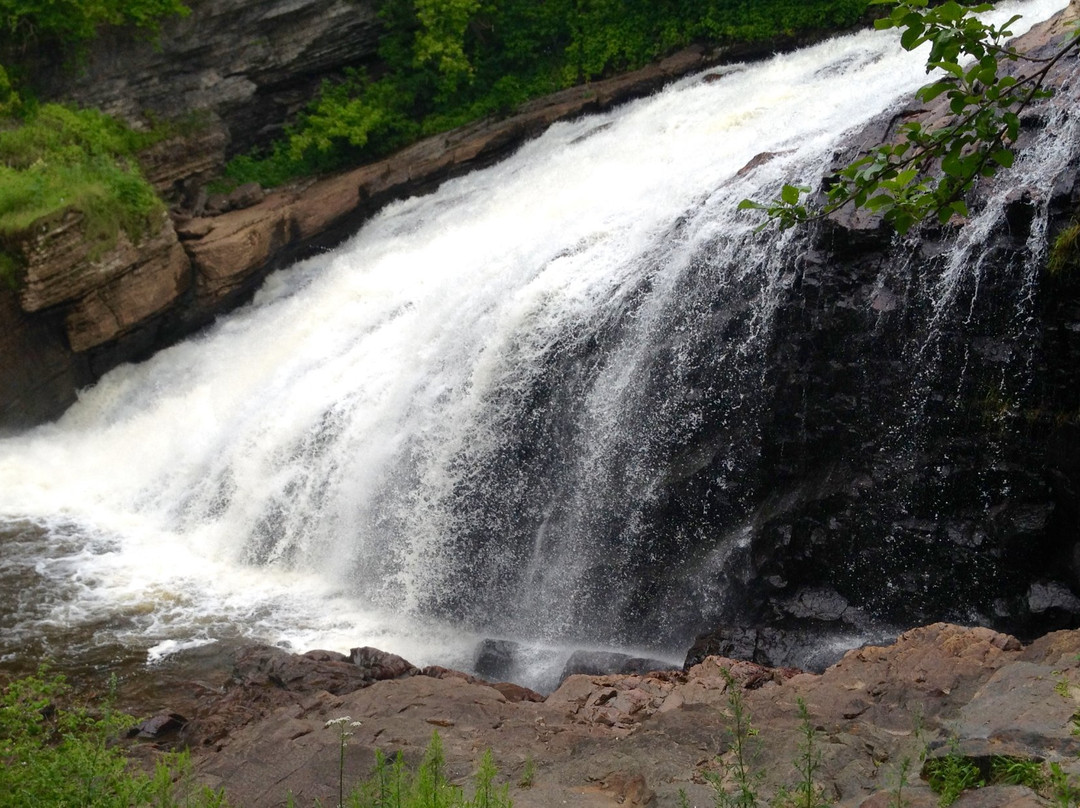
640	739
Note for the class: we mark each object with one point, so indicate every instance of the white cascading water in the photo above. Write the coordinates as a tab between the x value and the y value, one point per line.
296	473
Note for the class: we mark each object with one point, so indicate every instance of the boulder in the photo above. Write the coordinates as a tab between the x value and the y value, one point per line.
641	739
495	658
157	272
598	663
377	665
264	665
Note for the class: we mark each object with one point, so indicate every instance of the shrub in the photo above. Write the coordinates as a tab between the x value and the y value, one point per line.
58	159
51	754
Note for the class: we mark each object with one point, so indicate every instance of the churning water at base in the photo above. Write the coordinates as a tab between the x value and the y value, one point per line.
460	423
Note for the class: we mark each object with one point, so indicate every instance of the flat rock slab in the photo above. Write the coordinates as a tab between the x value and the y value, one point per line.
640	739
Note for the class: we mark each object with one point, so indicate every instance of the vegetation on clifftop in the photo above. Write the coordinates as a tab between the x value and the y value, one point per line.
67	25
450	62
56	158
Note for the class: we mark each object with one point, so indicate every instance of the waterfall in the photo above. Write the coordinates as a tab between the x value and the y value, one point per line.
470	419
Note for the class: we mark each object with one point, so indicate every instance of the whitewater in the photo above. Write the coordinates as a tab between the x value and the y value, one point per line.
293	473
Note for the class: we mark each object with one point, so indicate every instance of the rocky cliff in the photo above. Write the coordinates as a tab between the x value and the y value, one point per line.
242	65
230	73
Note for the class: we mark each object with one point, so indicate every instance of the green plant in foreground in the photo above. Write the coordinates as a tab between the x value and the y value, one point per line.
55	755
737	770
951	775
345	726
394	785
903	774
528	773
1064	792
806	793
1017	772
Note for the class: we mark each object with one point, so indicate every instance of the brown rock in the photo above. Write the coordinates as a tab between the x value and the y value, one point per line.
630	789
512	692
379	665
638	740
187	159
158	272
160	726
58	267
236	247
246	195
261	665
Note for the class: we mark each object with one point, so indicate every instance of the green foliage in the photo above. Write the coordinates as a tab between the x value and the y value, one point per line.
10	101
951	775
737	785
903	773
1065	255
345	726
1063	790
52	755
73	22
60	159
440	41
528	773
450	62
806	793
927	172
903	777
394	785
1016	771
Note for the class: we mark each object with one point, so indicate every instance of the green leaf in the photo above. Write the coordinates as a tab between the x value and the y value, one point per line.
1003	157
750	204
912	37
949	67
790	194
931	91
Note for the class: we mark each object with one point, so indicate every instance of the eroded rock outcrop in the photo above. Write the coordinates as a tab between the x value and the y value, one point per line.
639	739
104	292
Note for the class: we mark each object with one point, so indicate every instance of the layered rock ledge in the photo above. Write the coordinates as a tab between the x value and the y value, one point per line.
638	739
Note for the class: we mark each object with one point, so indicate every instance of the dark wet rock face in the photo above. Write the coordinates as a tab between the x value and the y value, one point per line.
495	658
599	663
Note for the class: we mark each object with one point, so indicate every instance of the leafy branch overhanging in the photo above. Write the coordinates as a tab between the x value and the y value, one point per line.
930	168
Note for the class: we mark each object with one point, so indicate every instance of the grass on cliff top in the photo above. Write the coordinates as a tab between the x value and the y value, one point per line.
446	63
54	159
